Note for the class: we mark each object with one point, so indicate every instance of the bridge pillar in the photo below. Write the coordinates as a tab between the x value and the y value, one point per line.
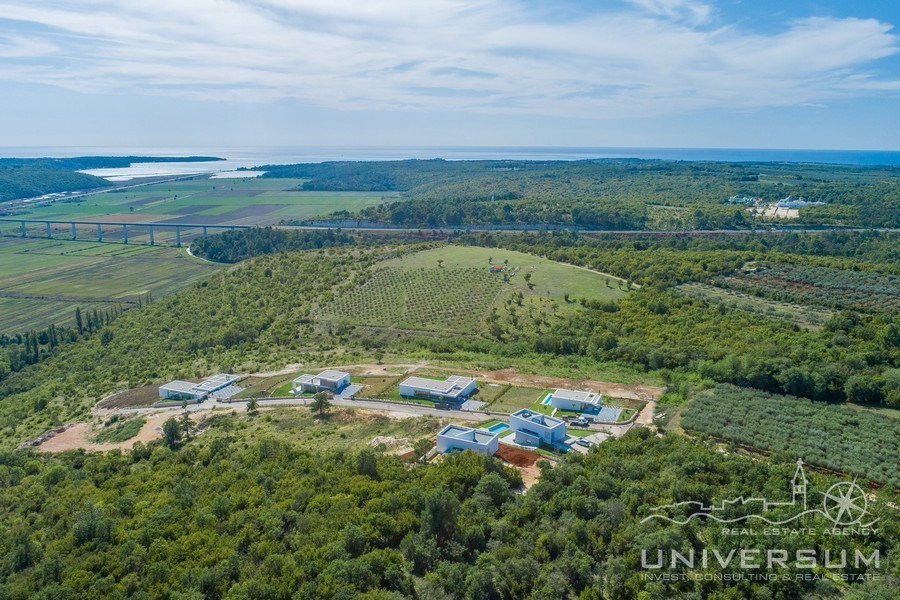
178	236
151	235
99	233
49	233
74	233
24	231
204	232
125	233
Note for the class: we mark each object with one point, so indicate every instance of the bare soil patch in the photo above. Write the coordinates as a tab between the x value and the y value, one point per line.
82	435
517	456
192	209
254	210
136	398
617	390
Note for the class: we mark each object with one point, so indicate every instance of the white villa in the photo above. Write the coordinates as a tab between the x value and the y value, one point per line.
533	428
459	437
326	381
453	389
575	400
220	386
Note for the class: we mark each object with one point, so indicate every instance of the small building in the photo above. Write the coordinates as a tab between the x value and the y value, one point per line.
197	392
497	268
459	437
326	381
575	400
534	428
453	389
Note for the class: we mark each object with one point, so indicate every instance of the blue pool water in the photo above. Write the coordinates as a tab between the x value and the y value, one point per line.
498	427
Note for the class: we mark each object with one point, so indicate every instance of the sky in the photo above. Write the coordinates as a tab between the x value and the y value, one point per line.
817	74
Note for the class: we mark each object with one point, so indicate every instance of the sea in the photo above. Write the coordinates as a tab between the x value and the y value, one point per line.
246	157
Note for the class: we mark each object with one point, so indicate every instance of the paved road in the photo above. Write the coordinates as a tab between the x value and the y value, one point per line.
412	410
526	229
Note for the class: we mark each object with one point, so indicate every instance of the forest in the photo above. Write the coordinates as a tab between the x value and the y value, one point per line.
616	194
29	181
241	244
217	517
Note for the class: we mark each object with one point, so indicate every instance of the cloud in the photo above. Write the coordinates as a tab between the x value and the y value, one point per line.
692	10
646	57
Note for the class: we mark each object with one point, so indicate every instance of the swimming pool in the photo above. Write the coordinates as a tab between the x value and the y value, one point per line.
498	427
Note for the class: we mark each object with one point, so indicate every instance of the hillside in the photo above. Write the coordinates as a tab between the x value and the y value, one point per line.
230	515
464	289
612	194
28	181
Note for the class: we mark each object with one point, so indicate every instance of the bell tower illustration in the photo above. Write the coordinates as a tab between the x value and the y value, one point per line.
799	484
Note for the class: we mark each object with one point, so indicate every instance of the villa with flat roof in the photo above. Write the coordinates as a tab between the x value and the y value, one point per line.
534	428
574	400
453	389
460	437
326	381
219	386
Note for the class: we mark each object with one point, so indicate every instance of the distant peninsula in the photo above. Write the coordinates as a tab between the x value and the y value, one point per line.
80	163
30	177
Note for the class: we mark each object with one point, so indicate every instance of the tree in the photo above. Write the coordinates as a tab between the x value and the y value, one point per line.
252	406
422	446
320	403
78	321
186	425
172	433
440	263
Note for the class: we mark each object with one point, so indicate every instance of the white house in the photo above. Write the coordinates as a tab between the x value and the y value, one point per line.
534	428
575	400
326	381
452	389
459	437
219	386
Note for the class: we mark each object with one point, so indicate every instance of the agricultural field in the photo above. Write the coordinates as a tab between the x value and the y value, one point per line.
206	201
808	316
820	286
547	278
858	442
42	281
443	299
451	289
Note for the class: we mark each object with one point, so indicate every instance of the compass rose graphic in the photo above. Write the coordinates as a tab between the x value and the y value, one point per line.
845	503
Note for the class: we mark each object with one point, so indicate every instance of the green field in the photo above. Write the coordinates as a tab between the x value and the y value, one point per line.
451	289
343	428
42	281
206	201
516	397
